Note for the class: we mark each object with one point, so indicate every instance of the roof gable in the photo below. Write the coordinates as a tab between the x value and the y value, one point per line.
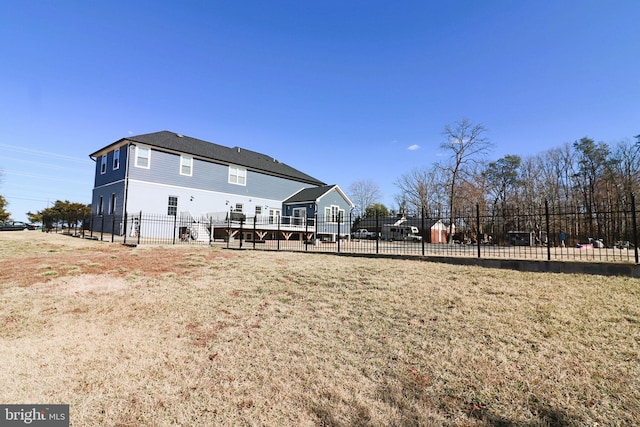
307	195
237	156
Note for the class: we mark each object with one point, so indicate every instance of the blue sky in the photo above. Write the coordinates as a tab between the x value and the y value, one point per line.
342	90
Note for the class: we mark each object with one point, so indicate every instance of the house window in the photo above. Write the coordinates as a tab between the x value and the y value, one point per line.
100	206
143	157
274	216
103	165
112	204
237	175
186	165
116	159
258	210
239	207
333	214
172	206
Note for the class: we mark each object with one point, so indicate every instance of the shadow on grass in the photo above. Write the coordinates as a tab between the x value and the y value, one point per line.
545	417
410	403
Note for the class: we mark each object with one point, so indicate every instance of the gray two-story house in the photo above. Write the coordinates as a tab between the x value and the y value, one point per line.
166	173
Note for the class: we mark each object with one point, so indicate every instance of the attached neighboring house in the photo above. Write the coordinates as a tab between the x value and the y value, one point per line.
167	173
329	202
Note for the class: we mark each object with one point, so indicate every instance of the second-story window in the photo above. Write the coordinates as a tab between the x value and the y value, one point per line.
143	157
116	159
103	165
186	165
237	175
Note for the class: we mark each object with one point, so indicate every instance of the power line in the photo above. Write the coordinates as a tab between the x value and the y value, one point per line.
41	153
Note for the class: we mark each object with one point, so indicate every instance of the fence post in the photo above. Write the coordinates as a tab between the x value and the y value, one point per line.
306	231
478	228
139	231
101	227
175	224
278	236
377	232
241	231
338	236
126	216
635	225
228	228
547	218
424	231
253	236
113	227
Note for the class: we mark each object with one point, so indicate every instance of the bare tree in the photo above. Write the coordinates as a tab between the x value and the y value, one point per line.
467	144
420	188
626	169
363	194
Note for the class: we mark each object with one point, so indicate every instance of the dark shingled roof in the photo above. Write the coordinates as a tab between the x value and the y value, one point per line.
238	156
309	194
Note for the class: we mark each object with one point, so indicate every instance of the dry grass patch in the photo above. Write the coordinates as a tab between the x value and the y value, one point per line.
175	336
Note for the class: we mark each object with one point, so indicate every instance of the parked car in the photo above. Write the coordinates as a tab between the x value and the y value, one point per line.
16	226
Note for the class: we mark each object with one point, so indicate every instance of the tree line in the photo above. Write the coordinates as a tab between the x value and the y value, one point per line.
586	175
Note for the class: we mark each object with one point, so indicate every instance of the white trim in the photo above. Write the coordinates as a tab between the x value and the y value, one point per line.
103	165
342	193
137	157
108	184
184	157
237	175
115	166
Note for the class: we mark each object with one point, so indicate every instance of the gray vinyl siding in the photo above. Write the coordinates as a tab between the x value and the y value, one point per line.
165	169
334	198
111	175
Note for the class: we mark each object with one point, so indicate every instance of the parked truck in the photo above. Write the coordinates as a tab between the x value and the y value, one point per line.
363	233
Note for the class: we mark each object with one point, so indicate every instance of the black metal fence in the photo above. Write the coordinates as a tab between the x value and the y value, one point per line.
548	232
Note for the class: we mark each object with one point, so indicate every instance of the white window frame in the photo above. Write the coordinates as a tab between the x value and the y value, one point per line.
332	213
258	210
237	175
138	157
239	207
172	207
116	159
103	165
274	215
186	162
